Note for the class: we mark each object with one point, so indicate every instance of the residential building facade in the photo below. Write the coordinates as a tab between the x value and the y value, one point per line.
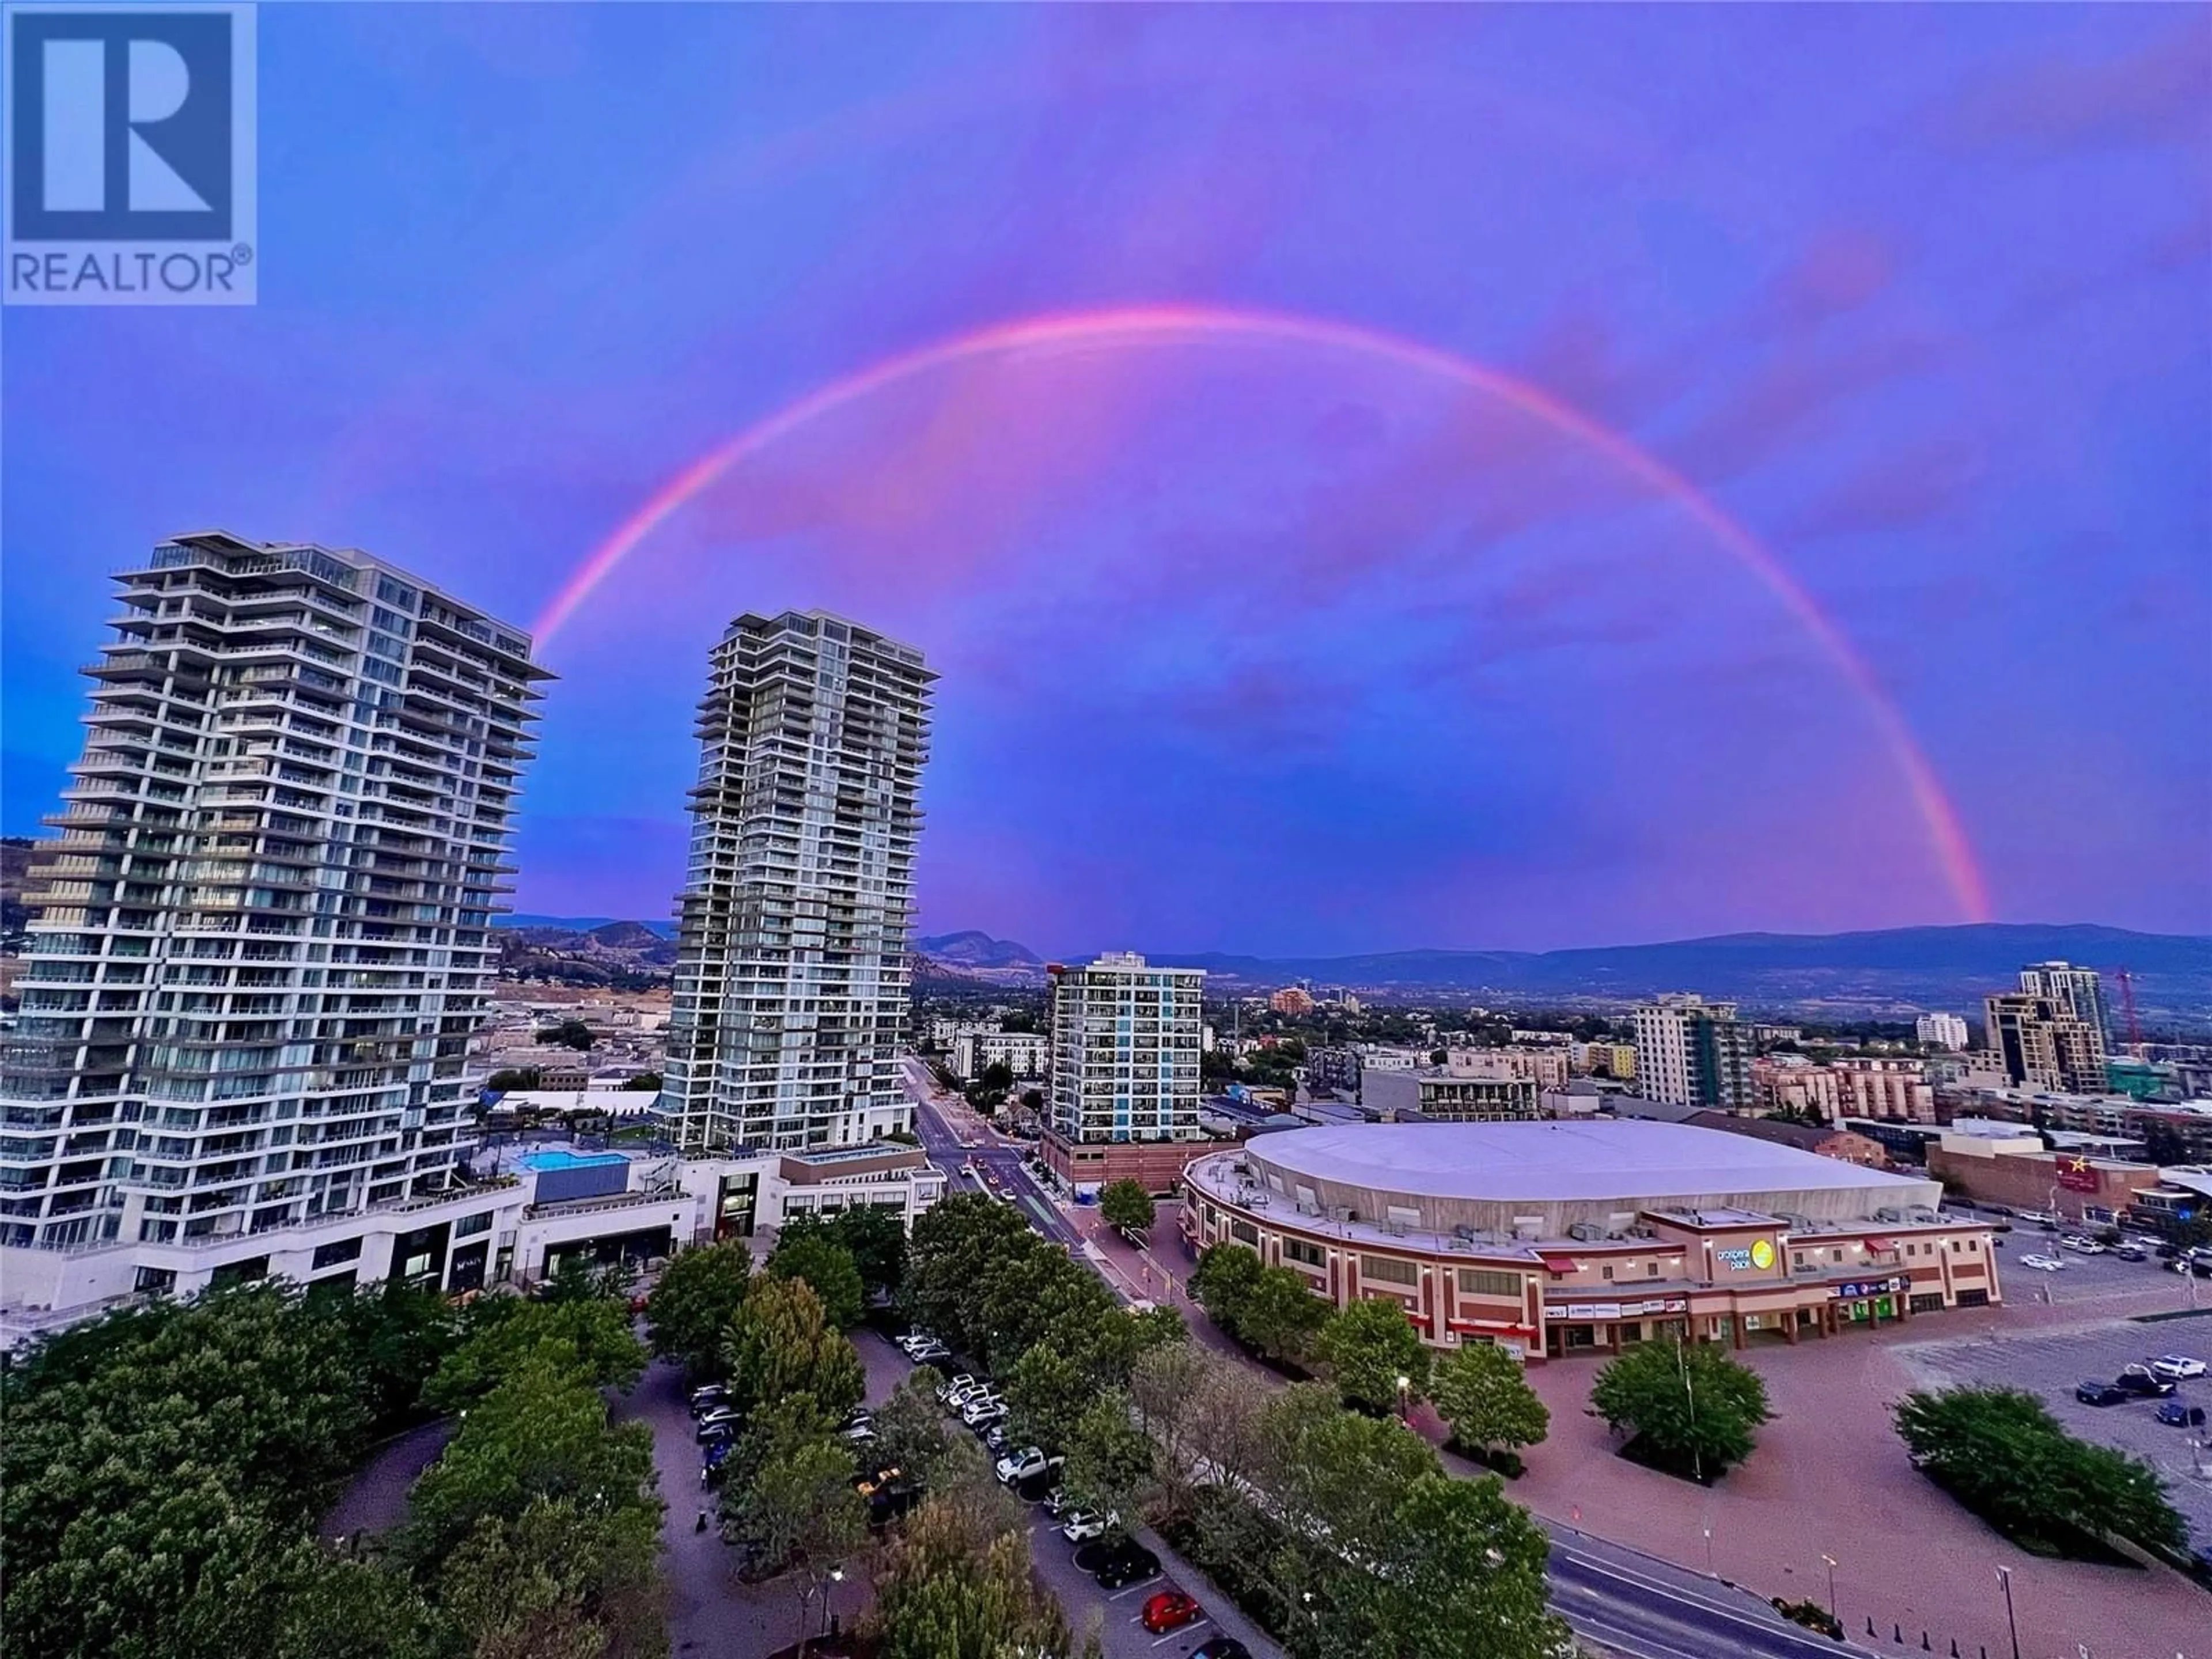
263	942
791	980
1941	1030
1691	1052
1021	1052
2040	1042
1123	1058
2078	991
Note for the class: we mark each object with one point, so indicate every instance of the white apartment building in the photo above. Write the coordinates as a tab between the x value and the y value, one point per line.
1023	1053
1123	1056
1941	1031
261	938
1690	1052
1546	1067
791	983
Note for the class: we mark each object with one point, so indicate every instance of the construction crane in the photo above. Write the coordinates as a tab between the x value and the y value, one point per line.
2128	1004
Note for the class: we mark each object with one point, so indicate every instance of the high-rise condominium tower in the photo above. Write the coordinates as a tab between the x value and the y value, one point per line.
1124	1055
2078	990
791	985
2042	1043
1690	1052
265	931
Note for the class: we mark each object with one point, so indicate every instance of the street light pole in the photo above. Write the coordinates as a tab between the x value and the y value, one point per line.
1833	1612
2004	1577
1405	1400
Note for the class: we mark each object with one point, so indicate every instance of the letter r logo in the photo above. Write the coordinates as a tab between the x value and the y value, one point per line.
120	125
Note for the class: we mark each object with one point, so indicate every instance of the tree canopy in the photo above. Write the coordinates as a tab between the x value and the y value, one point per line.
688	1312
1126	1204
1371	1347
781	1343
1695	1410
828	1266
2002	1454
1483	1392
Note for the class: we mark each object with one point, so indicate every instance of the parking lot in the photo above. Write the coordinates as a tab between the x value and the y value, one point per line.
2052	1362
2086	1279
1122	1633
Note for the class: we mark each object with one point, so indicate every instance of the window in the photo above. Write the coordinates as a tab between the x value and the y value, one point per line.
470	1225
1246	1231
1389	1270
328	1255
1930	1301
1483	1281
1608	1270
1297	1250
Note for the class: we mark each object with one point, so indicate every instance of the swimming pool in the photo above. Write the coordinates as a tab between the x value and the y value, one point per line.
560	1158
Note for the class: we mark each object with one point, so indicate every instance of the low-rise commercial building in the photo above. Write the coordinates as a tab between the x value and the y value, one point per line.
527	1208
1445	1096
1821	1140
1559	1238
2017	1171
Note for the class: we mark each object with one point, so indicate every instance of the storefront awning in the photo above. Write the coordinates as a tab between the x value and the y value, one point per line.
1557	1263
1881	1243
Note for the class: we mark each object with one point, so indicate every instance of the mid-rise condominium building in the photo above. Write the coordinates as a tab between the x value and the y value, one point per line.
2040	1042
2077	990
791	981
262	937
1690	1052
1124	1055
1941	1030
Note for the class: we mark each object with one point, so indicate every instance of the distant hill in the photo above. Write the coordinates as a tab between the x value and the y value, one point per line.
582	924
1894	969
975	950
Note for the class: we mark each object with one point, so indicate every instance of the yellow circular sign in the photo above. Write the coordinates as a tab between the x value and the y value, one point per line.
1762	1255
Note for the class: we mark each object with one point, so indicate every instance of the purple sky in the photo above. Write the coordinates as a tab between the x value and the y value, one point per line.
1249	644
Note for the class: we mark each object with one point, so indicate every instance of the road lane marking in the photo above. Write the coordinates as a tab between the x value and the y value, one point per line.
1785	1633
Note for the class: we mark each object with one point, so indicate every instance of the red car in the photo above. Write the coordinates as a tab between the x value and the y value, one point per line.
1170	1610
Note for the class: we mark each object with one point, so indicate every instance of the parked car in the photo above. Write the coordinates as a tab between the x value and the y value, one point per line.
2180	1414
2048	1264
2178	1367
1128	1563
710	1432
717	1415
995	1440
714	1393
928	1354
986	1417
1055	1501
1170	1609
2142	1381
2081	1245
1221	1647
1081	1526
952	1385
1029	1461
913	1339
973	1409
2128	1252
2094	1393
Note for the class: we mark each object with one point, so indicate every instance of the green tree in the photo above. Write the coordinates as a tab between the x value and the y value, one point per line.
688	1312
1109	1459
1222	1283
397	1336
1694	1410
801	1514
2001	1453
828	1266
1371	1347
1483	1392
957	1583
511	1079
781	1343
542	1433
956	1242
589	1338
1126	1204
1282	1318
1047	1391
875	1236
566	1578
910	1427
1460	1572
1336	1473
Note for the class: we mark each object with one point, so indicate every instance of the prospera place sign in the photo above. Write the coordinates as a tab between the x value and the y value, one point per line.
129	155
